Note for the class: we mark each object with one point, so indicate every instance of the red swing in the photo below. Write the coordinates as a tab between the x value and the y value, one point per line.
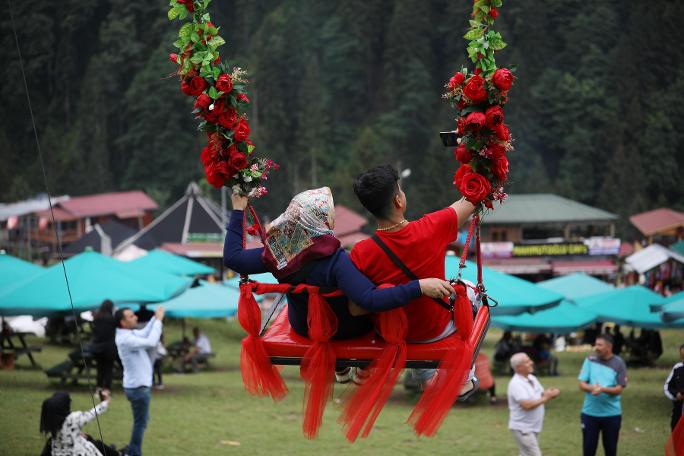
386	354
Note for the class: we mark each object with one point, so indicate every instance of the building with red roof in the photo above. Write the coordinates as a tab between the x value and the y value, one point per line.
659	222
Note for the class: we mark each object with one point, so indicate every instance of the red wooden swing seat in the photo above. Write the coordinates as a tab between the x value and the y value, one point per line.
286	347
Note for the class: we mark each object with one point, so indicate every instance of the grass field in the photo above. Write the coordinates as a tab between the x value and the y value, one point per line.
210	414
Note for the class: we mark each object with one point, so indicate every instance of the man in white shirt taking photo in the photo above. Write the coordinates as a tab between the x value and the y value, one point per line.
526	398
135	348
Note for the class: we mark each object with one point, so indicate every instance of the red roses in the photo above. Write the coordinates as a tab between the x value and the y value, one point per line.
503	79
456	80
224	83
463	154
495	117
194	87
475	121
473	186
475	89
241	131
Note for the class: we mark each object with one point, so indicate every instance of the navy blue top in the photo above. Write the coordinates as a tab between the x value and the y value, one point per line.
334	271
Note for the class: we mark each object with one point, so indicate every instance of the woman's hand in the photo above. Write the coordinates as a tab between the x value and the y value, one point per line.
435	288
239	202
105	395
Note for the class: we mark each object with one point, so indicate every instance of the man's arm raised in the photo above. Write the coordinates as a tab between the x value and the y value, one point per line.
463	209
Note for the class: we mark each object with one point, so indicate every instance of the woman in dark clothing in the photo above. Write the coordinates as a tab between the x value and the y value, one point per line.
301	248
103	345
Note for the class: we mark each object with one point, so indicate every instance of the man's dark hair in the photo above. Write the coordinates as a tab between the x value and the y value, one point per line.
606	337
119	316
375	189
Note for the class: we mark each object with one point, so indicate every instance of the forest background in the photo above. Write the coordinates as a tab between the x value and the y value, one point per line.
338	86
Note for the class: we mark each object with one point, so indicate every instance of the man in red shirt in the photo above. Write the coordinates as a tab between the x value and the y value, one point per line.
421	245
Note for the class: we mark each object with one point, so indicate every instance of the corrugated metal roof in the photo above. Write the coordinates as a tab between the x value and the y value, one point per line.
544	208
28	206
657	220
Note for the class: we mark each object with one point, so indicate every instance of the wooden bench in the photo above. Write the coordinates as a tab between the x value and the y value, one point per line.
74	369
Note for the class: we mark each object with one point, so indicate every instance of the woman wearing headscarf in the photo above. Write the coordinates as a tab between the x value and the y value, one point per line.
103	345
301	248
65	428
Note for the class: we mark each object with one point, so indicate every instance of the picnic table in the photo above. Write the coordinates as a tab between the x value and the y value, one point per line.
80	366
177	351
14	344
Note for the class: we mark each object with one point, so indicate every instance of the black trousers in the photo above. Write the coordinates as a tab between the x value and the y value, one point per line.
105	365
157	372
607	426
676	413
105	449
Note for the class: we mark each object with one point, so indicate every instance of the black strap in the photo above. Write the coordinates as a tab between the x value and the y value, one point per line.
400	264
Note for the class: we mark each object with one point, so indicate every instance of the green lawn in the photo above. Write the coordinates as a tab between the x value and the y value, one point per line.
209	413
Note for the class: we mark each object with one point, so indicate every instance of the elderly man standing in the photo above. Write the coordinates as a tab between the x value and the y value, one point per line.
603	377
135	346
526	399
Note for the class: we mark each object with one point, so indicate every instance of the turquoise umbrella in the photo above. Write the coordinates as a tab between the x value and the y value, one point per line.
561	319
669	300
514	295
170	263
627	306
209	300
674	310
92	278
575	286
13	270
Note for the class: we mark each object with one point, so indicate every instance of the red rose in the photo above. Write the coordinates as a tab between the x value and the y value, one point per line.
474	89
224	83
493	12
461	172
241	131
217	173
194	87
495	116
502	132
475	187
494	151
475	121
189	5
500	168
173	58
238	160
203	102
462	154
456	80
212	114
217	60
502	79
228	118
242	98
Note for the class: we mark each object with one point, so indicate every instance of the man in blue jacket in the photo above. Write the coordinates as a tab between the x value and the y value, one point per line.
135	346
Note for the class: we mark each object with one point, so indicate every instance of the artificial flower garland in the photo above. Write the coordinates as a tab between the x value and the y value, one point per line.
220	102
479	98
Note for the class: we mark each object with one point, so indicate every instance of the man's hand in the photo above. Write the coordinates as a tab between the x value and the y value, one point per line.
680	397
552	393
435	288
159	313
239	202
596	390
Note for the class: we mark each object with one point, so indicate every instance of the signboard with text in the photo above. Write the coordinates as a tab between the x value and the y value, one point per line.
587	247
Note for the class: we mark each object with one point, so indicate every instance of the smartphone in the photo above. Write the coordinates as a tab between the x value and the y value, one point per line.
449	138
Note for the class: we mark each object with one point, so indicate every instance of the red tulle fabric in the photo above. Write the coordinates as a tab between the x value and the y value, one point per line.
362	408
463	313
318	363
259	376
675	444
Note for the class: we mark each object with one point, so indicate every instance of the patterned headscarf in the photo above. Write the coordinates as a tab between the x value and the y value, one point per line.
304	232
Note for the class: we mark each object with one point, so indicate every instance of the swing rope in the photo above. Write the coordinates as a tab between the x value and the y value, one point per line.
52	215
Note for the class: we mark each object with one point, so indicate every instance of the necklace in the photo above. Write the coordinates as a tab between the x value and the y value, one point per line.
392	227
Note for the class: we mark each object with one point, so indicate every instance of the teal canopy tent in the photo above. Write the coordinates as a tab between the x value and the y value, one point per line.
627	306
13	270
673	310
92	278
209	300
561	319
575	286
164	261
514	295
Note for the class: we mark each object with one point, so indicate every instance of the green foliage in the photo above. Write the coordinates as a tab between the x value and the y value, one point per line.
337	87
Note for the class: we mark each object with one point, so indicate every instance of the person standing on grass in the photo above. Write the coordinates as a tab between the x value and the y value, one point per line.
103	346
674	388
526	399
135	347
602	378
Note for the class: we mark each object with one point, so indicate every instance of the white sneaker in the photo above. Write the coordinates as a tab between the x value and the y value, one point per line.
345	375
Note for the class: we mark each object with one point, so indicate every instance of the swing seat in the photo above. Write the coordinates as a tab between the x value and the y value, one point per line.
286	347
